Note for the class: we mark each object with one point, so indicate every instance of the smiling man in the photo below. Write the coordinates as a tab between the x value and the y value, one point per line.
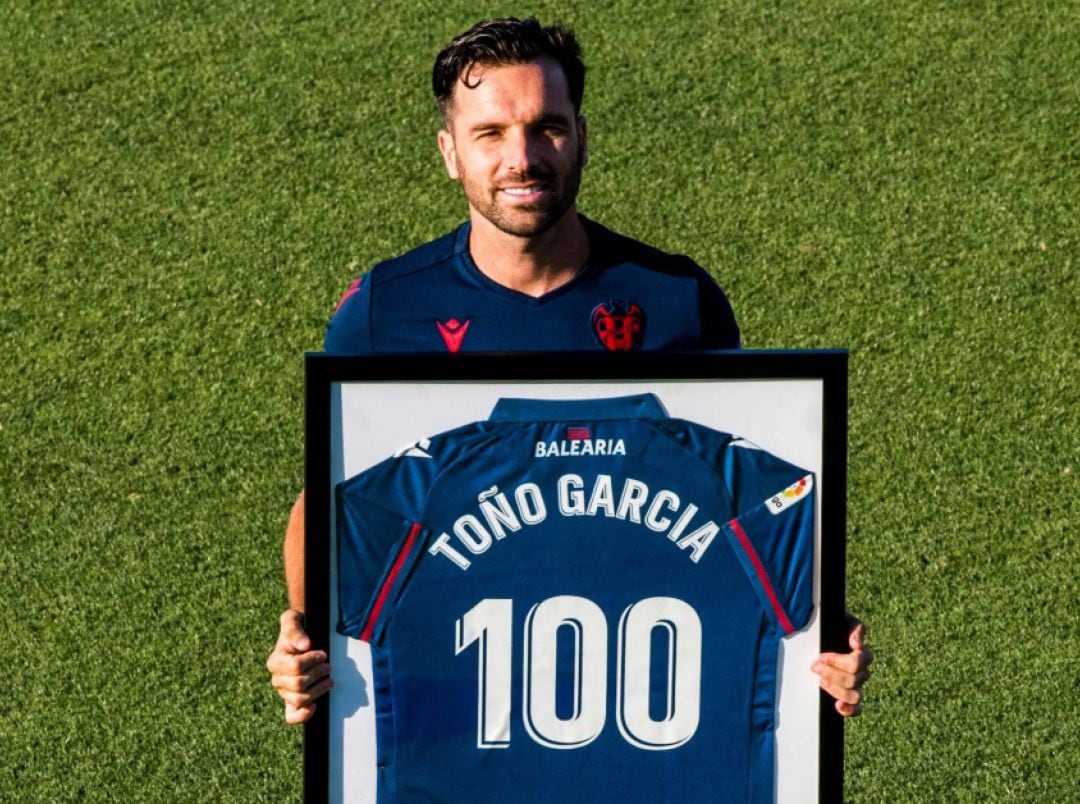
525	272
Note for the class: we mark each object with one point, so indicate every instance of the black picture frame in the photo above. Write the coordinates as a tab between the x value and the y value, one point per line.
325	374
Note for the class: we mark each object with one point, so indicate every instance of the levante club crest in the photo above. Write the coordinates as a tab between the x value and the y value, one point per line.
619	325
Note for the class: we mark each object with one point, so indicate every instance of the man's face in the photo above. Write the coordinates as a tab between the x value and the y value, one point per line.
516	146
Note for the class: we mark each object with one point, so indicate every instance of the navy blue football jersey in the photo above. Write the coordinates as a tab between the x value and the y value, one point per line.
628	296
576	601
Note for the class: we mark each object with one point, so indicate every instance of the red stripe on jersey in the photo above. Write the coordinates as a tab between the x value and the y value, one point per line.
355	286
578	433
384	591
763	576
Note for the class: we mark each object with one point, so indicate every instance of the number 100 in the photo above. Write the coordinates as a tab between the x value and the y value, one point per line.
490	624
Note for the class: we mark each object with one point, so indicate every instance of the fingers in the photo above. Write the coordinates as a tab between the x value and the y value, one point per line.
849	710
856	633
300	682
304	698
849	701
292	630
295	715
842	675
855	663
848	670
298	674
842	686
284	662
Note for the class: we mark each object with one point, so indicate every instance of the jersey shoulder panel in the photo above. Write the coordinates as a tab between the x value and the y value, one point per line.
611	248
708	446
749	474
350	329
426	256
401	482
718	328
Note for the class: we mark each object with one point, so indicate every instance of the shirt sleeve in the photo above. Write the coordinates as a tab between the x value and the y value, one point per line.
718	327
349	331
772	533
379	537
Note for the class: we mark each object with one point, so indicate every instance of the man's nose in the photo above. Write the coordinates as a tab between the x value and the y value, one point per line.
521	150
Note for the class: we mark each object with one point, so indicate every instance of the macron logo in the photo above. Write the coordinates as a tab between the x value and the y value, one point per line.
414	450
453	332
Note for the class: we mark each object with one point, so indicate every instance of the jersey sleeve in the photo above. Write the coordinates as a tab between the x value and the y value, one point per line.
772	532
718	327
379	536
380	529
349	330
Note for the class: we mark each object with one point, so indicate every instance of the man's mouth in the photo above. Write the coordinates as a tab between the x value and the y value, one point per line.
524	191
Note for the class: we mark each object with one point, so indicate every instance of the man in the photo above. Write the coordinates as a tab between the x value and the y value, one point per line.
526	272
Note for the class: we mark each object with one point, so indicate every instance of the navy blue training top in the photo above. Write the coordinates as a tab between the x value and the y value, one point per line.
628	296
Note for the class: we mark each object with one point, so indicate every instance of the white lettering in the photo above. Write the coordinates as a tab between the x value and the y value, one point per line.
497	514
652	516
634	495
602	497
530	503
579	447
472	534
571	495
682	522
442	547
700	540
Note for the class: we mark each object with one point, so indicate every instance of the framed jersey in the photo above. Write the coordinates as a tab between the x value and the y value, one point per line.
563	578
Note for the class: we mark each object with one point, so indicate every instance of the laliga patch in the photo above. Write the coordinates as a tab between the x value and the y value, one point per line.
619	325
791	495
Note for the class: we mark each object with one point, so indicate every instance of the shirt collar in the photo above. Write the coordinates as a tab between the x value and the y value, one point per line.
641	406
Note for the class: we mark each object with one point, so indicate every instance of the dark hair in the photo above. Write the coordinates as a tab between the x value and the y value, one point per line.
499	42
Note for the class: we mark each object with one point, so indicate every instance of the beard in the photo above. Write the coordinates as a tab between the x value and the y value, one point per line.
526	220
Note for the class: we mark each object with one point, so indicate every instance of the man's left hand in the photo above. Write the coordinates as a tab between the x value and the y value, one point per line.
842	675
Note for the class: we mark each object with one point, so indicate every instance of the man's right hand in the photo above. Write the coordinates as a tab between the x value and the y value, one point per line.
298	673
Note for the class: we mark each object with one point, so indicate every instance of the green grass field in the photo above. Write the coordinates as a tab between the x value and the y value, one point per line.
185	191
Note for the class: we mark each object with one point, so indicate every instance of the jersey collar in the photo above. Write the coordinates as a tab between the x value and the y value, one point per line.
468	266
641	406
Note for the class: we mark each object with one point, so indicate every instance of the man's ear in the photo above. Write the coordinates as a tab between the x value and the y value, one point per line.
449	155
583	139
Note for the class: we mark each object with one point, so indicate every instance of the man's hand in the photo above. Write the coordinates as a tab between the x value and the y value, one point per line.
842	675
299	674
